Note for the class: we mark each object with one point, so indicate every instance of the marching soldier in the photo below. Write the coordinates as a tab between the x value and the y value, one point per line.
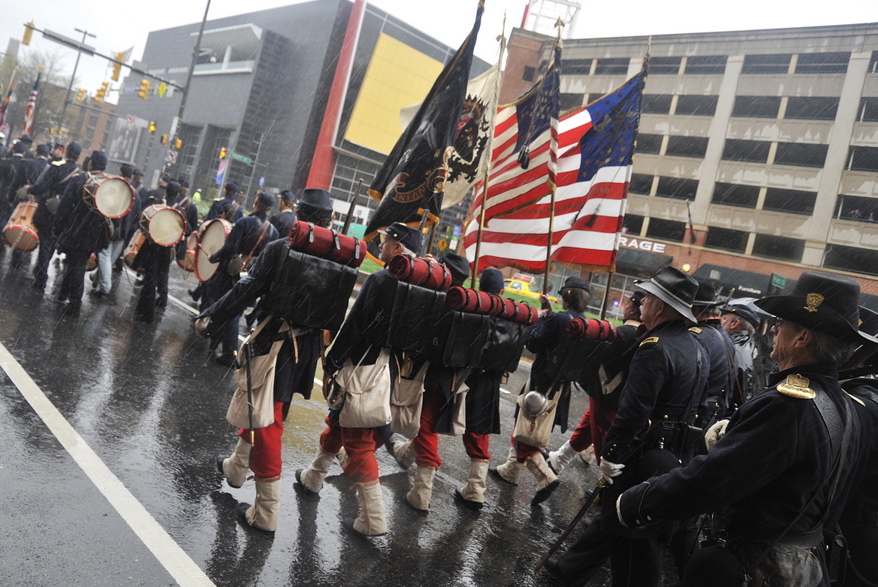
226	207
26	174
123	228
285	216
721	381
740	322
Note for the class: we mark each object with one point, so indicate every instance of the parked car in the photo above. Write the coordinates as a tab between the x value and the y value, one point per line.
526	289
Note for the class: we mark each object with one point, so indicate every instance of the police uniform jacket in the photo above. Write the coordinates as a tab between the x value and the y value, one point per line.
79	227
721	377
775	456
662	378
51	183
292	375
223	208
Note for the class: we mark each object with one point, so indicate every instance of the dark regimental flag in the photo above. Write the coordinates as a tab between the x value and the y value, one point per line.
4	104
412	180
595	147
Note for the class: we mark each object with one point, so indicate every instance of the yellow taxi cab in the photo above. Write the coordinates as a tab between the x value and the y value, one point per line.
525	288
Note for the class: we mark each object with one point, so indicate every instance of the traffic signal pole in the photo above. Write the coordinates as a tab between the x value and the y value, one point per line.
85	34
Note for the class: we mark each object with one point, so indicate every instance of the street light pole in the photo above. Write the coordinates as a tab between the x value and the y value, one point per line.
85	34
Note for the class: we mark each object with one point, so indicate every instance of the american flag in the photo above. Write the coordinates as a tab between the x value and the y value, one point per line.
4	104
596	144
524	155
29	108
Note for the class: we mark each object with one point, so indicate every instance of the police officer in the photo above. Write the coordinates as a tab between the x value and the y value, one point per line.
47	191
81	230
246	240
285	217
668	376
740	322
226	207
359	443
774	470
296	366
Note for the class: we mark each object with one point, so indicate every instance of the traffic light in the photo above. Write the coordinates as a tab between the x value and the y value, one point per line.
102	92
117	67
80	94
152	126
143	91
164	140
28	33
223	153
178	144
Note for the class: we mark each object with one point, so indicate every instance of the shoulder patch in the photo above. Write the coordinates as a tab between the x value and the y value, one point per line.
797	386
651	339
695	329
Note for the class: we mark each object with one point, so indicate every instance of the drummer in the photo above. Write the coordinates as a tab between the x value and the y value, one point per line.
123	228
247	238
81	230
175	196
26	174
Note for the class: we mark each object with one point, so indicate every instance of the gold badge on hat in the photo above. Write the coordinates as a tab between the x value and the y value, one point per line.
797	386
813	300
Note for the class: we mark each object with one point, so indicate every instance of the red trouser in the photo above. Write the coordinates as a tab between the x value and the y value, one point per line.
592	429
265	456
360	445
426	443
477	445
523	450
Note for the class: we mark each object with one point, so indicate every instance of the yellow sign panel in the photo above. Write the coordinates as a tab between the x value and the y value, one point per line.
398	76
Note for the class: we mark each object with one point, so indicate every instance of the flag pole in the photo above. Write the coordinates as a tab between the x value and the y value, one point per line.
487	151
352	207
559	24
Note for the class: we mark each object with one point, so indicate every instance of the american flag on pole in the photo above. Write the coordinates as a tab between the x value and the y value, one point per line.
4	105
595	146
29	108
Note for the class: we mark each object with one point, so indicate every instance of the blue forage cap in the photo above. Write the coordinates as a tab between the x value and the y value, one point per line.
491	281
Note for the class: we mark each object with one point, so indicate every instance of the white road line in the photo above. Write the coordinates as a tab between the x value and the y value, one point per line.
182	568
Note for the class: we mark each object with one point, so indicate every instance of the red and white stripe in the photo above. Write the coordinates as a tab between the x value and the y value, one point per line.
30	107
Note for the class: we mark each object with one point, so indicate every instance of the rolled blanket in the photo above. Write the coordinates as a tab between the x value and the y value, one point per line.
328	244
420	272
592	329
470	300
518	312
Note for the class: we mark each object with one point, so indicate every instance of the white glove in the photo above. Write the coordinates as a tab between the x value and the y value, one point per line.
610	470
714	433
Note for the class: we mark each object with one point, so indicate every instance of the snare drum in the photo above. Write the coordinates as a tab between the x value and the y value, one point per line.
211	238
165	225
20	233
110	195
133	248
187	263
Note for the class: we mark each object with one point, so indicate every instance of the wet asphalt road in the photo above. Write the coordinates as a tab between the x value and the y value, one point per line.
112	481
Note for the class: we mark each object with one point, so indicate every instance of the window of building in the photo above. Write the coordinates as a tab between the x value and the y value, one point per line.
633	224
687	146
726	239
778	247
741	150
756	107
732	194
669	230
873	63
570	101
823	63
529	73
761	64
802	108
612	66
705	65
863	159
795	201
857	208
677	188
647	143
656	103
664	65
800	154
640	183
696	105
868	110
576	66
92	119
851	259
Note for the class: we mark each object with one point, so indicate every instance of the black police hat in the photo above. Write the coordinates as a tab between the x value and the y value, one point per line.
126	170
43	150
73	150
98	160
287	196
491	281
822	302
458	266
576	283
172	189
742	312
705	295
266	199
231	188
409	237
317	199
674	288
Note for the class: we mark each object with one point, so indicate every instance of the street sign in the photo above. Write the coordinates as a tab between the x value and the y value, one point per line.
241	158
163	88
171	157
778	281
261	181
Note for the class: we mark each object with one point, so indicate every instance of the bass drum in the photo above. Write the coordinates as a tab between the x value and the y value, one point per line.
112	196
187	263
133	248
165	225
211	238
20	232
